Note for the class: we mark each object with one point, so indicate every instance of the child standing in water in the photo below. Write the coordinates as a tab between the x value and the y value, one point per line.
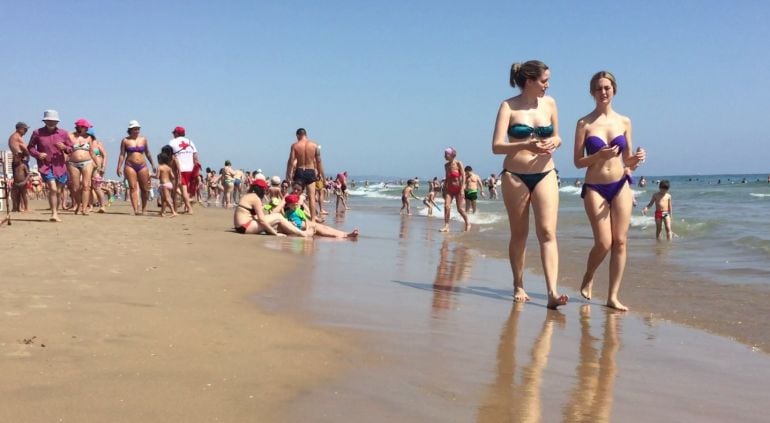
663	209
455	181
166	180
405	194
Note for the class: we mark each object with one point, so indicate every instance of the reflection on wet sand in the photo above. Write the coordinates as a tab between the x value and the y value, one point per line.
454	266
508	400
591	399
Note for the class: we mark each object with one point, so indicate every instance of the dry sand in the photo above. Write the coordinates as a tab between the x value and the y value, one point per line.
115	318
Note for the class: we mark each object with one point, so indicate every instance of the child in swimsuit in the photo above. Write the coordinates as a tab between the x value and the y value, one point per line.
405	194
166	184
663	209
455	180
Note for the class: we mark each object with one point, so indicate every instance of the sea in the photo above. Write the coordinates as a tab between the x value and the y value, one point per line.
720	223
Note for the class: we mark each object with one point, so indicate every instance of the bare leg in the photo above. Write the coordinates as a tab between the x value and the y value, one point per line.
667	223
658	227
311	200
447	212
328	231
516	199
186	199
85	189
545	204
53	200
620	215
144	184
133	188
75	187
461	210
598	212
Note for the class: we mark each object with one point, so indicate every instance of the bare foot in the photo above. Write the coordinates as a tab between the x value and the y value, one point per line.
519	295
585	288
54	219
467	227
352	235
444	229
101	210
554	302
616	305
5	219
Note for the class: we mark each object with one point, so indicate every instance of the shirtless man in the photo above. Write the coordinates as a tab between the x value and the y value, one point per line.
20	157
473	187
304	166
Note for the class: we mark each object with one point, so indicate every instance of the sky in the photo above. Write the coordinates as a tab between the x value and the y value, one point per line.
385	87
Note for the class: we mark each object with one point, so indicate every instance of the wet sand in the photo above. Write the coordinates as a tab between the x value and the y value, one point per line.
115	318
444	342
654	286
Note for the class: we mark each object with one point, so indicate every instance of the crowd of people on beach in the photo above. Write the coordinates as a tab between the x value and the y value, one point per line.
526	133
70	173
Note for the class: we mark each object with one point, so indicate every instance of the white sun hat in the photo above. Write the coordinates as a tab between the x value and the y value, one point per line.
275	180
134	124
52	115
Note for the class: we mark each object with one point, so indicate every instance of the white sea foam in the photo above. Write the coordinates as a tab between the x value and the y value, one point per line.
570	190
756	194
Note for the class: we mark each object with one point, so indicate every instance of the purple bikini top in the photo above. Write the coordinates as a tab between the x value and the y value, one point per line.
594	143
139	149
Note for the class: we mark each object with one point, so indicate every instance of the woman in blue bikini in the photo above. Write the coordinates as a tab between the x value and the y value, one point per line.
133	150
603	146
527	133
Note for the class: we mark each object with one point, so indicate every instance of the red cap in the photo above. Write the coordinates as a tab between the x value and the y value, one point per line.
179	130
260	183
292	199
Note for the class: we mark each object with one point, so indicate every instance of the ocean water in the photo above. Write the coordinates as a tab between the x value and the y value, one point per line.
720	222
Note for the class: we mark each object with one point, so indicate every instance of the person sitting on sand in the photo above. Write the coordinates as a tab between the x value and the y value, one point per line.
455	181
663	209
249	216
297	216
405	194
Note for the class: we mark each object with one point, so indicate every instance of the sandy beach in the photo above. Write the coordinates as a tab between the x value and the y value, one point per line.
183	320
125	319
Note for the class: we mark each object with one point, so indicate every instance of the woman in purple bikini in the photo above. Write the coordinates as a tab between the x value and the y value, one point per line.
133	150
603	146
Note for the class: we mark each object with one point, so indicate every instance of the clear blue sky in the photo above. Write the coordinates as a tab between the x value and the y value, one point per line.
384	87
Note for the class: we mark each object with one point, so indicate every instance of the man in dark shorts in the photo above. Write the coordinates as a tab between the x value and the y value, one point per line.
305	167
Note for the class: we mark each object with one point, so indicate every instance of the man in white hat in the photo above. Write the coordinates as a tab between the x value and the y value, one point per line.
48	145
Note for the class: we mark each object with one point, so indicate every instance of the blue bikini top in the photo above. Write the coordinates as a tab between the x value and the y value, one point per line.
594	143
520	131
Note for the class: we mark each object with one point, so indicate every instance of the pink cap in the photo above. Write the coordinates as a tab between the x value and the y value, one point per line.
84	123
179	130
292	199
450	151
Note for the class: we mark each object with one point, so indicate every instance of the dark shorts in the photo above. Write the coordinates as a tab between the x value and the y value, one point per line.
471	195
305	176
